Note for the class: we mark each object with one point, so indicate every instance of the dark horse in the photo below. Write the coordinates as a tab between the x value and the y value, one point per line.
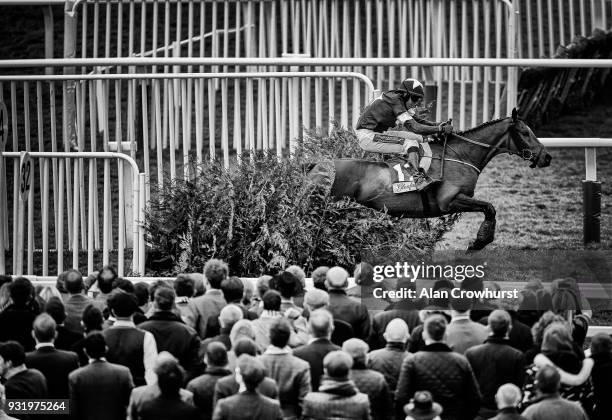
467	153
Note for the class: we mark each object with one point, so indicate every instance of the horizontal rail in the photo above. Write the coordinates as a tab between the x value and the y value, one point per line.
575	142
77	155
314	61
32	2
149	76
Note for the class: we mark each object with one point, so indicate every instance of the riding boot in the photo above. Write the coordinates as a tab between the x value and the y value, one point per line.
421	179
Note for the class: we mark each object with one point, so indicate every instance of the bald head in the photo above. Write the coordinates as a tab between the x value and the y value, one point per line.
337	278
321	323
499	323
316	299
508	395
397	331
229	315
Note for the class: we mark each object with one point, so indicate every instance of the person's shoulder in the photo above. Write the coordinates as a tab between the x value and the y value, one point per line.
299	363
395	94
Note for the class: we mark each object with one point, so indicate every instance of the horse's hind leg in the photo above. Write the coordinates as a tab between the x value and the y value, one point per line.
486	233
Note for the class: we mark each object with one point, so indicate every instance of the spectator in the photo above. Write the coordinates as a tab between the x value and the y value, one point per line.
369	381
262	286
233	291
320	327
291	373
55	364
241	329
145	393
388	360
229	385
203	387
446	374
65	338
441	303
534	301
184	286
60	285
601	352
127	345
210	304
422	407
558	350
288	286
16	320
105	281
198	284
405	309
319	276
5	295
141	291
172	334
3	415
319	299
169	404
508	397
248	404
92	321
76	302
479	309
100	390
550	405
227	319
270	314
344	308
364	277
417	342
496	362
300	291
19	381
338	397
537	332
463	333
520	334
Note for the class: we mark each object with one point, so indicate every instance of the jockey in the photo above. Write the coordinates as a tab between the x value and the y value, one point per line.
398	107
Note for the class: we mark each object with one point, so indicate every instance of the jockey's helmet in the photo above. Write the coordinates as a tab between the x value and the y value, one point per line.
413	87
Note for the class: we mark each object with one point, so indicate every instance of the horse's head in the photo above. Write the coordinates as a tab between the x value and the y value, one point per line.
527	144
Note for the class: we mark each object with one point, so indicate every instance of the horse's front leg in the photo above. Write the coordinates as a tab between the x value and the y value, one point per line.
463	204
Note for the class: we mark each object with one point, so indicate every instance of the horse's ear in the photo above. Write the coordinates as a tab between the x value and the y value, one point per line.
514	114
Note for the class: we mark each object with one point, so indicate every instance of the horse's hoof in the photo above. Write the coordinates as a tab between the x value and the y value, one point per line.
476	246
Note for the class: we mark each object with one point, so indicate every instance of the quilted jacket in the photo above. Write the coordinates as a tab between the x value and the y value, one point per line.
444	373
373	384
336	400
388	361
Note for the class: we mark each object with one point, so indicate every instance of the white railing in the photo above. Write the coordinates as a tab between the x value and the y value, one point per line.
75	189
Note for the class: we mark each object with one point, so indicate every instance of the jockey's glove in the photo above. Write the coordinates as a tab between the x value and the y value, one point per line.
445	128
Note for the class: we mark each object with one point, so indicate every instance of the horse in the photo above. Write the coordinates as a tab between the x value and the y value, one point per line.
466	154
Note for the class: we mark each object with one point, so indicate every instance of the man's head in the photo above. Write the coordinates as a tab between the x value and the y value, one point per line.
250	371
233	289
263	285
124	284
44	329
271	300
216	355
321	323
601	343
74	282
122	304
434	328
500	323
415	92
242	328
337	365
548	380
299	274
95	345
316	299
12	355
92	318
229	315
141	291
319	275
106	278
396	331
169	377
280	331
364	274
337	278
55	308
21	291
215	272
508	395
461	305
164	298
286	283
245	345
358	349
184	286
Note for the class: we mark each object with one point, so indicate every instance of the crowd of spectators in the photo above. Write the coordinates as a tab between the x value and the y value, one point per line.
214	346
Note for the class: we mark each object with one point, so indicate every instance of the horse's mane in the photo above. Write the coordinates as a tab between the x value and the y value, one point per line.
483	125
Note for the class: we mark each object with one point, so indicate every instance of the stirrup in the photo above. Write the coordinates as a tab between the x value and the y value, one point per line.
423	181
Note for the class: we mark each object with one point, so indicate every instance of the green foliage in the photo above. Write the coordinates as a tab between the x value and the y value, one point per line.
263	215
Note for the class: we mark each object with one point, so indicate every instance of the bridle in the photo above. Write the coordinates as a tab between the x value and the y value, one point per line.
502	145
